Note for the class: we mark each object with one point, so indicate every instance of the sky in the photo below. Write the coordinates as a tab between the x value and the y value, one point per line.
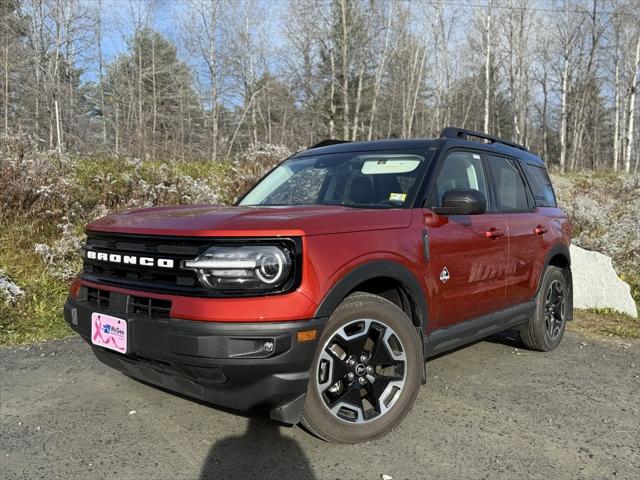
119	18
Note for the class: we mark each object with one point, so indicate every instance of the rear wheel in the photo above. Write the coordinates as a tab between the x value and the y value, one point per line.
545	328
366	373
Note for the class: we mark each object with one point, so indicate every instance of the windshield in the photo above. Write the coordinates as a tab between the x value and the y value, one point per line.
365	180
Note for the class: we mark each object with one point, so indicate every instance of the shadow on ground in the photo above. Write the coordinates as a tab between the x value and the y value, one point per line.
509	338
261	452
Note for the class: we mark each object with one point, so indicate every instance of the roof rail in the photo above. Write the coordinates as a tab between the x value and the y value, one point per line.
461	133
327	142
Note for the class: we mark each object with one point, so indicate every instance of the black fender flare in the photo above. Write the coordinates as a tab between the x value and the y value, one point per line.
559	249
372	270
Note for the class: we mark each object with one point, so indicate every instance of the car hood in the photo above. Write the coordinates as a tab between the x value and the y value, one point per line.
219	221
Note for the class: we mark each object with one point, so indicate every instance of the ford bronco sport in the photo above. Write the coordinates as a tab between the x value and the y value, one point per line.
319	296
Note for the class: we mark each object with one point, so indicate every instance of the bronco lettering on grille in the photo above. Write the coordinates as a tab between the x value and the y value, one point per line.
129	259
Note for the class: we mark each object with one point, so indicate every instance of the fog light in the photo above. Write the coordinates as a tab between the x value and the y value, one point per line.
251	347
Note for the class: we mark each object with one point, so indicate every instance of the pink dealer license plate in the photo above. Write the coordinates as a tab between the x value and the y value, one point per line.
109	332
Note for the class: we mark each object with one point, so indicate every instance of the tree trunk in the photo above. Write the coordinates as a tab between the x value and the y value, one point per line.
416	91
332	97
141	148
155	97
616	120
379	72
58	130
487	68
269	132
545	101
100	70
356	112
117	129
563	114
6	85
345	70
213	78
631	110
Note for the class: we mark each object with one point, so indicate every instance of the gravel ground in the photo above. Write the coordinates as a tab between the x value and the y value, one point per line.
490	410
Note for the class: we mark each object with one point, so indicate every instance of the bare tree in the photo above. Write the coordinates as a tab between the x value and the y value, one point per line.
633	86
488	29
559	77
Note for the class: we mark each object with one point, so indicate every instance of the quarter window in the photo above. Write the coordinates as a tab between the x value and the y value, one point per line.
511	193
541	185
461	171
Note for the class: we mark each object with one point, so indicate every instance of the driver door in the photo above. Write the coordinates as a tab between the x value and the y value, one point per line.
467	253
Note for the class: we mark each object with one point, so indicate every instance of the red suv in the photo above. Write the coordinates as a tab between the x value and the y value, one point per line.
319	296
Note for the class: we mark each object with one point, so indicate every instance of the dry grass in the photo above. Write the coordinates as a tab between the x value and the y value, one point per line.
36	315
606	322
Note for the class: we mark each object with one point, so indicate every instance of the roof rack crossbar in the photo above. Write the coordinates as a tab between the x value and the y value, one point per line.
327	142
461	133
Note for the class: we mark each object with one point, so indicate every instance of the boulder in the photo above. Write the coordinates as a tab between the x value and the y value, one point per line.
597	285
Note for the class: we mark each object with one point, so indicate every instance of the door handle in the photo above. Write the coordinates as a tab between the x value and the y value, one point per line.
493	233
540	230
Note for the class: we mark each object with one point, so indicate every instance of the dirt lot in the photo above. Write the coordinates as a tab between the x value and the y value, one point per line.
490	410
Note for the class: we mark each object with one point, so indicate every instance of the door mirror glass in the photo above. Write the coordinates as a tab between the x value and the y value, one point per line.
462	202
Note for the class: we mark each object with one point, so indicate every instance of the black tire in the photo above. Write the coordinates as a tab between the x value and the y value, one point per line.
388	322
546	326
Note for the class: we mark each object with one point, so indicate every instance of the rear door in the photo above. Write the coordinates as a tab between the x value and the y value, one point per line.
467	253
529	233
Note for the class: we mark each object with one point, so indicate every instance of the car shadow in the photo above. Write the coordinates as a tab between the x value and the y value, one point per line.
509	338
262	452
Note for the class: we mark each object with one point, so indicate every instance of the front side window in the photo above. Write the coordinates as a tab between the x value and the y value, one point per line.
365	180
511	193
461	171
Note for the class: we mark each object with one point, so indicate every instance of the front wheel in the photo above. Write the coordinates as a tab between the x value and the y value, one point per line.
366	373
546	326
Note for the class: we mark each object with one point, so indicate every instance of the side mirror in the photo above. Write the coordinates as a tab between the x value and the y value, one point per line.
462	202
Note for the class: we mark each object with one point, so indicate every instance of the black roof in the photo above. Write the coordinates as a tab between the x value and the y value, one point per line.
421	144
373	145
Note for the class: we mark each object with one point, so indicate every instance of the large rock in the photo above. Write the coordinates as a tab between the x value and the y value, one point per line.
596	284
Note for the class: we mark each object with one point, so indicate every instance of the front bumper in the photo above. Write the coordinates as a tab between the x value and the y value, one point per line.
208	360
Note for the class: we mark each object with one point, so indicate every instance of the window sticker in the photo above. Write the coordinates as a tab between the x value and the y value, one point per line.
381	165
476	156
398	197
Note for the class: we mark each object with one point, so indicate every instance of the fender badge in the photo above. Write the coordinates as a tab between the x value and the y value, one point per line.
444	275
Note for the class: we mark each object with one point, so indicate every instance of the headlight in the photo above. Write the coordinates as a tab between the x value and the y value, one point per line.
255	267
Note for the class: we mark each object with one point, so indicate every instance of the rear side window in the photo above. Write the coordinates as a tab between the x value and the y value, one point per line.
541	186
511	193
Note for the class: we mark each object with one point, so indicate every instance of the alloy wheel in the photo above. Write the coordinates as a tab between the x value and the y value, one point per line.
361	371
554	309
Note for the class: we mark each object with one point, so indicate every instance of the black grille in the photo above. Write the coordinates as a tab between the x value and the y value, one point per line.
161	279
98	298
147	278
122	304
149	307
